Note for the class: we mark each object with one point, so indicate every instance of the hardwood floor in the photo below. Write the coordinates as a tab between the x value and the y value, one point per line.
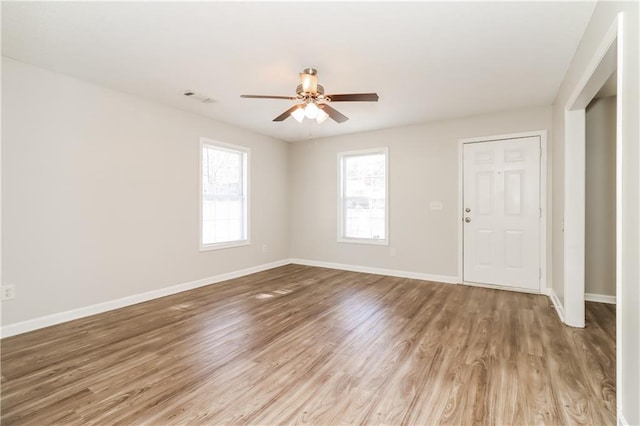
300	344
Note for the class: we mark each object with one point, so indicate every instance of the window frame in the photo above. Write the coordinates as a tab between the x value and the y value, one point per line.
341	186
246	152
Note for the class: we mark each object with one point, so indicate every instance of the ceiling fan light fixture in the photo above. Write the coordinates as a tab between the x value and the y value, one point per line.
298	114
322	116
311	110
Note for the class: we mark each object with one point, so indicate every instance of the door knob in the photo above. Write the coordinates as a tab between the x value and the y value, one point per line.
467	219
467	210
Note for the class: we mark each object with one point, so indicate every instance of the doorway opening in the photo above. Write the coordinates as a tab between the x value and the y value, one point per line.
600	195
603	66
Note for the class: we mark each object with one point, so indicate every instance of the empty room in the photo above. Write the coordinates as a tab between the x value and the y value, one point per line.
317	212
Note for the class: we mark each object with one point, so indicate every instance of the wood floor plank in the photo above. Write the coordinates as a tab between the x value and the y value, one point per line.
307	345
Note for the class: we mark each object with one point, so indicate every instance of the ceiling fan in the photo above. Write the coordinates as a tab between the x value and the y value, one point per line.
313	103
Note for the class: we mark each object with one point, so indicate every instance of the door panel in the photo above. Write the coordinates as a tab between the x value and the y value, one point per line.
512	192
484	193
501	190
513	242
484	239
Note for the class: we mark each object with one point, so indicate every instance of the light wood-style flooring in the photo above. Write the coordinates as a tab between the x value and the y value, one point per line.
300	344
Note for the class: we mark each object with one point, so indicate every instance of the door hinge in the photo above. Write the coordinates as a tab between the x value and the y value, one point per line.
539	273
540	209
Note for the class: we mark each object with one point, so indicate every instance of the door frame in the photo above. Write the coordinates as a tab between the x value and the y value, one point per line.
544	203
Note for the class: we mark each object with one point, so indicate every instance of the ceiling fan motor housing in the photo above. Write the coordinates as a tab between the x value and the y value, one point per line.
319	92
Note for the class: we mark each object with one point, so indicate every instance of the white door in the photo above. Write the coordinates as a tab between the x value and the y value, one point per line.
501	213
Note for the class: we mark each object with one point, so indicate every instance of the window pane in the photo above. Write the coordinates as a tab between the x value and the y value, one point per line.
221	209
221	231
235	208
222	172
364	192
208	232
235	229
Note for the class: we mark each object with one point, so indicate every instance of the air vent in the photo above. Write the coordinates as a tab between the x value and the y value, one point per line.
199	97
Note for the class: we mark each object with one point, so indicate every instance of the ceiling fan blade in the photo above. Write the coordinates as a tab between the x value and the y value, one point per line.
354	97
333	113
286	114
291	98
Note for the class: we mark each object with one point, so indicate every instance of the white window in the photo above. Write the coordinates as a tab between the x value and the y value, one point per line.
363	215
224	195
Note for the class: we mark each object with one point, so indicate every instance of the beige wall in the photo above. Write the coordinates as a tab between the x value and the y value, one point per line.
629	293
423	167
600	212
100	195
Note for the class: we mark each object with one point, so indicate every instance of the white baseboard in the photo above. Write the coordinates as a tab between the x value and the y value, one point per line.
378	271
600	298
557	305
621	420
49	320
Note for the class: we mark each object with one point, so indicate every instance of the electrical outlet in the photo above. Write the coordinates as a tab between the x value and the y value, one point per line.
265	248
393	252
8	291
436	205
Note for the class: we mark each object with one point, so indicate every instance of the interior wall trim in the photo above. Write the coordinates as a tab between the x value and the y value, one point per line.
556	304
600	298
57	318
448	279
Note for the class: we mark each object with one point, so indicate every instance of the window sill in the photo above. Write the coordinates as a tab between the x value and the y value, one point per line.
375	242
221	246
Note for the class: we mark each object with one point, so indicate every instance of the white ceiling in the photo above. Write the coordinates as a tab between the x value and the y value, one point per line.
427	61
